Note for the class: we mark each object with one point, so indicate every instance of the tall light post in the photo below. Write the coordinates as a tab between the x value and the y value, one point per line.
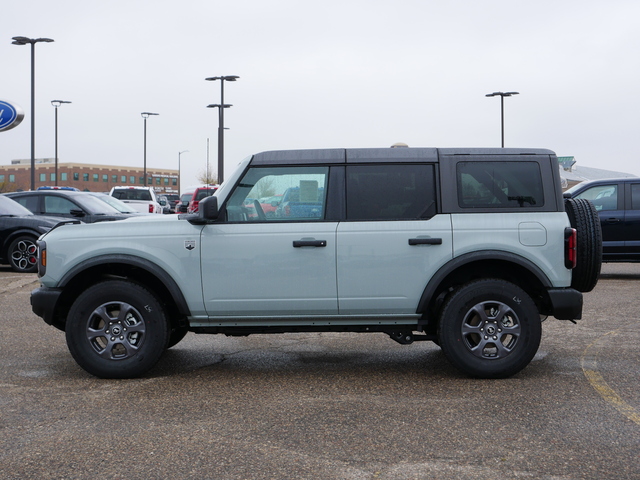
32	42
228	78
179	176
502	95
220	139
56	104
146	115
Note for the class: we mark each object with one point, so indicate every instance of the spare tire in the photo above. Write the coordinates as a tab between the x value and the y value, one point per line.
584	218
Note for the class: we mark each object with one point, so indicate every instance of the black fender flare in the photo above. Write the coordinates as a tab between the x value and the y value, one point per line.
458	262
131	260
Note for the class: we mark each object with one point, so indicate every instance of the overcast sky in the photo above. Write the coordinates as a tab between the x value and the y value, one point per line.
346	73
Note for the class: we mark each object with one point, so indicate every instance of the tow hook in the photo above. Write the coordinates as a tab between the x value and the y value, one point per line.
403	338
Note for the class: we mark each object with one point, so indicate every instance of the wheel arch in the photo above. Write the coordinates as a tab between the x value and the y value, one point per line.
485	264
140	270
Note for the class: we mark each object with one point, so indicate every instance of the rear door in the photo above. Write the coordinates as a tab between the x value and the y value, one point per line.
609	200
632	220
392	241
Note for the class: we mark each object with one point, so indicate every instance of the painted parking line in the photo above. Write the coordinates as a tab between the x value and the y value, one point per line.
589	363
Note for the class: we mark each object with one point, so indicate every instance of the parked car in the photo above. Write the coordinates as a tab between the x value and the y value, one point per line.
174	201
19	230
469	248
199	194
141	199
301	202
183	205
270	204
64	203
164	203
617	201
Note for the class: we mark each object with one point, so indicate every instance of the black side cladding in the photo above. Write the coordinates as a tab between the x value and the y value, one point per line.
584	218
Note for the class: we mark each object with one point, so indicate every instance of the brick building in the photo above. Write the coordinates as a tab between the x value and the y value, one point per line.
84	176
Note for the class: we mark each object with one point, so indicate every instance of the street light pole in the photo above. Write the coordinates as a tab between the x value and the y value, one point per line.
179	176
228	78
502	95
32	42
146	115
56	104
220	137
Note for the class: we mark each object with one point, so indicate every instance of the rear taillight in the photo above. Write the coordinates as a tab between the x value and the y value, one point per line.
151	208
570	247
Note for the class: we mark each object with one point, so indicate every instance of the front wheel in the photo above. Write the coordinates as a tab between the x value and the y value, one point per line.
117	329
489	329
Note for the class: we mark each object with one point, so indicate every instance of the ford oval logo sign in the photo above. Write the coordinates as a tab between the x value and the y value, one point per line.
10	115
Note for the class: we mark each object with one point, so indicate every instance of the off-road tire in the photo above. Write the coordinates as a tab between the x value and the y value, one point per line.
117	329
489	328
584	218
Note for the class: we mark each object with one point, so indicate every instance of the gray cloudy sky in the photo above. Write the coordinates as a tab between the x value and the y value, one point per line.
345	73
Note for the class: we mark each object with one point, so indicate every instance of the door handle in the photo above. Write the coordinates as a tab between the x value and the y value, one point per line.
309	243
425	241
612	220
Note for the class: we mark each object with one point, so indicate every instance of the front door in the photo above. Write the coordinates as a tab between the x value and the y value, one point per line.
275	255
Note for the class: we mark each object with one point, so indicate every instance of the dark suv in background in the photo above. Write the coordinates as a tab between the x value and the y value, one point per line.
617	201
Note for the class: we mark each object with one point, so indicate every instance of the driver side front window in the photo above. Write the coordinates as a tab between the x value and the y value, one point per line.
272	194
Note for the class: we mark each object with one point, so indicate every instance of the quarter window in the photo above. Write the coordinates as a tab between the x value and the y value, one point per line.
279	194
499	185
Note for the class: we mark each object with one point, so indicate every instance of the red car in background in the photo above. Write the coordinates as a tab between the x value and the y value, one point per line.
198	194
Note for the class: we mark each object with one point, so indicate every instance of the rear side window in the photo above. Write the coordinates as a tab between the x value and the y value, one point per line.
29	202
635	196
390	192
499	185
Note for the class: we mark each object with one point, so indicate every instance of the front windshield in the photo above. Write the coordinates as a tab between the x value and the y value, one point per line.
115	203
11	207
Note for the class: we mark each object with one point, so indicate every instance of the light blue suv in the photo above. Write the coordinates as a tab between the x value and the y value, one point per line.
468	248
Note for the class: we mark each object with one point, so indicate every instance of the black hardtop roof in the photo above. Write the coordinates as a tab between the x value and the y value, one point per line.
373	155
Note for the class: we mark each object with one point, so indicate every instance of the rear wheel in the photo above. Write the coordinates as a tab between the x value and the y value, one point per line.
23	254
117	329
489	329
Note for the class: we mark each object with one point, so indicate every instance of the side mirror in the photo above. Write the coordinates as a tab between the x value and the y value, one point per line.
208	208
76	212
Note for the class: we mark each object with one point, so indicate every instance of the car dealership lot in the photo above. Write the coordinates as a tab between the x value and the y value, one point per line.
326	406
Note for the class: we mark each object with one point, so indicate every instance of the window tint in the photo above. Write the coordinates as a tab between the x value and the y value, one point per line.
279	194
58	205
388	192
635	196
499	185
29	202
604	197
132	194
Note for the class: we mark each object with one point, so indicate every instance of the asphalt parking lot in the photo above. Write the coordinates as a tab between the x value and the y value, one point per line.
326	406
